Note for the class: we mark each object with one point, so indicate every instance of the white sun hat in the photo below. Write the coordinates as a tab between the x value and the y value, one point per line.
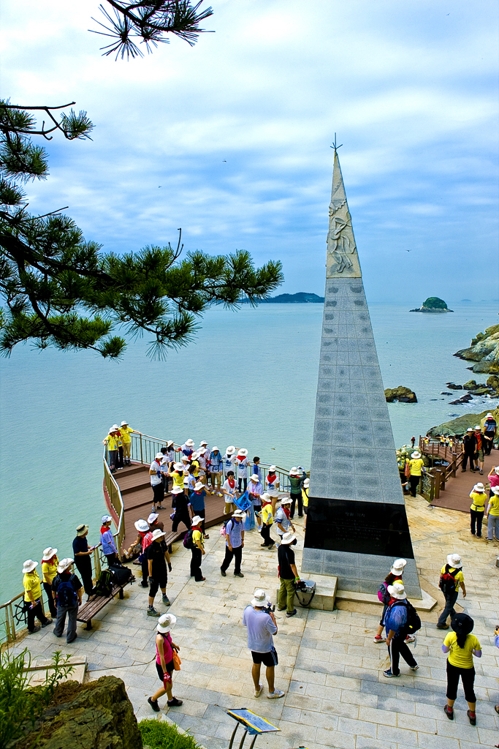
177	490
198	486
48	553
230	450
416	455
203	443
294	471
272	468
166	623
170	443
255	477
286	501
142	526
152	517
214	448
158	533
106	519
489	416
260	598
398	566
64	565
189	443
116	428
479	487
288	537
477	428
177	466
397	591
265	497
454	560
306	483
242	452
124	423
239	514
29	565
196	520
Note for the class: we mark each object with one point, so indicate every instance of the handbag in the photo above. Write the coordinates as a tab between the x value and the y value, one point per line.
176	661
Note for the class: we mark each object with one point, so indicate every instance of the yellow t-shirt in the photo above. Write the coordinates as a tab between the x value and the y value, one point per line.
178	478
196	468
267	516
49	570
494	506
459	577
197	537
461	657
416	465
112	442
478	500
126	434
32	582
304	496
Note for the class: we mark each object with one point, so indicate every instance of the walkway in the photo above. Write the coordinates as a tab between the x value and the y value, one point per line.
336	695
457	490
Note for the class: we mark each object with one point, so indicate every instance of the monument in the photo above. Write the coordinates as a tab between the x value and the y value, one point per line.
356	523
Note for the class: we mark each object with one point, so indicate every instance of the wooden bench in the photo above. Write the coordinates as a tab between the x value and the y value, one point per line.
96	604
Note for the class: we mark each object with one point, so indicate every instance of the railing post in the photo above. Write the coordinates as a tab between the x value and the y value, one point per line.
141	455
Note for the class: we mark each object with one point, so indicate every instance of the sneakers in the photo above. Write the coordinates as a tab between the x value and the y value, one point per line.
275	695
472	717
289	614
151	611
46	622
36	628
414	668
174	702
449	712
166	600
153	704
442	626
409	638
223	572
378	639
258	691
389	674
238	574
144	584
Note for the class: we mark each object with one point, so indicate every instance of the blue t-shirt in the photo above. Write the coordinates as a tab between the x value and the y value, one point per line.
396	618
233	531
260	630
197	500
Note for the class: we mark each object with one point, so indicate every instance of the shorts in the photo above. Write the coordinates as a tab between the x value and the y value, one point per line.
268	659
169	668
305	510
479	455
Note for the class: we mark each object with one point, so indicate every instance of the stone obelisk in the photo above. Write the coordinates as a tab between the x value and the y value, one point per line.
357	523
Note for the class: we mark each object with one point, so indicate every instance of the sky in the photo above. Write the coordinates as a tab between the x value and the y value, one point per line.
230	140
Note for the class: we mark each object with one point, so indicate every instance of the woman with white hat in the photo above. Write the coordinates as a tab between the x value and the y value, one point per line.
395	575
164	662
272	480
216	468
107	540
33	596
156	479
489	433
478	499
396	621
143	540
295	480
451	579
416	464
493	515
49	571
493	478
242	469
229	460
126	440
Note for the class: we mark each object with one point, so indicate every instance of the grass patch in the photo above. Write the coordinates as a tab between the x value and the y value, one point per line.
162	735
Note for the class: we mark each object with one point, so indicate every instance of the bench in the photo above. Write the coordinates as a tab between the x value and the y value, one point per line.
96	604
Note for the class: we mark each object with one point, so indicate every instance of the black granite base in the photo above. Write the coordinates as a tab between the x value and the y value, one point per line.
358	527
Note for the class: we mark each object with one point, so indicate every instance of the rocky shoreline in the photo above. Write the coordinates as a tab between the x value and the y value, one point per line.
484	351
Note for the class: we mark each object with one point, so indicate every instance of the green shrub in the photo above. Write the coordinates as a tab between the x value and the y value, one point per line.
162	735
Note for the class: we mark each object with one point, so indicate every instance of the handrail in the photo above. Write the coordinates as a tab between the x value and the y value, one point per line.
116	500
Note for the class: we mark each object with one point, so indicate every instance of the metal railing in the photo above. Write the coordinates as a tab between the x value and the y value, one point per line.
116	500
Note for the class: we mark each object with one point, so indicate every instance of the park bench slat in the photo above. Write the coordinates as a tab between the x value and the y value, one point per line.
96	604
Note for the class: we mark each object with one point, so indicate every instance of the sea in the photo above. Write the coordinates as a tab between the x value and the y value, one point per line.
248	378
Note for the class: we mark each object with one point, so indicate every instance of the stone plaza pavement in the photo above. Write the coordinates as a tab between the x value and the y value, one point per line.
329	667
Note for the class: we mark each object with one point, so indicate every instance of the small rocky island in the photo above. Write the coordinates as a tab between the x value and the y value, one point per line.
433	304
301	297
484	351
400	395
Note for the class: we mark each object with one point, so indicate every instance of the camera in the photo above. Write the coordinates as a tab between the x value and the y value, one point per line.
269	608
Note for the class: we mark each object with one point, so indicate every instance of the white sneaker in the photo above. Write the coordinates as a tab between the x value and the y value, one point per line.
275	695
258	691
410	638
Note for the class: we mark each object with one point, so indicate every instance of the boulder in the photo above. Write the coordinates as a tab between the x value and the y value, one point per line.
460	425
484	351
464	399
452	386
400	394
493	382
96	715
470	385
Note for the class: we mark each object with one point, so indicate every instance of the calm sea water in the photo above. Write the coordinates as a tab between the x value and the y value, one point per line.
249	379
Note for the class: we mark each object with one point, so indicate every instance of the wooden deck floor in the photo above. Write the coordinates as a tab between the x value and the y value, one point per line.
457	490
137	497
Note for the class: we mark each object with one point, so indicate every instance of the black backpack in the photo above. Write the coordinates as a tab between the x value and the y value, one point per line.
447	582
413	623
66	594
104	584
188	542
121	575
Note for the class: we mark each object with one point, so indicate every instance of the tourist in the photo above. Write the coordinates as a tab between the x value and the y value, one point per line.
395	625
229	460
461	646
242	469
478	499
230	493
469	444
304	499
395	575
416	464
143	540
489	433
107	540
255	468
177	475
49	571
413	442
451	578
112	443
288	575
197	549
126	439
164	662
68	591
404	471
170	452
180	501
188	448
157	559
478	456
282	517
192	477
216	469
164	467
295	480
261	625
154	523
33	596
203	456
493	478
82	554
156	479
272	480
234	543
267	521
493	515
200	458
196	499
255	491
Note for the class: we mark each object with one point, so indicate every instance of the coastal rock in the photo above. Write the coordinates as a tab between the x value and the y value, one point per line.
460	425
484	351
464	399
96	715
433	304
452	386
400	394
493	382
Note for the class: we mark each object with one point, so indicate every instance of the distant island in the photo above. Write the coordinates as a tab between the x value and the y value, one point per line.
433	304
302	297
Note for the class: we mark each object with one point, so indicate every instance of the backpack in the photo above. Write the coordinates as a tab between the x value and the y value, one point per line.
121	575
104	584
447	582
188	542
66	594
223	529
383	594
413	623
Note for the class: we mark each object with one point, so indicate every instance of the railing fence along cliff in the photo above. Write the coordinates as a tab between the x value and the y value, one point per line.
449	459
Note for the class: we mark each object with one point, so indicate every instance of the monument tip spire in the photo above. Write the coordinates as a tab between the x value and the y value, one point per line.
342	258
